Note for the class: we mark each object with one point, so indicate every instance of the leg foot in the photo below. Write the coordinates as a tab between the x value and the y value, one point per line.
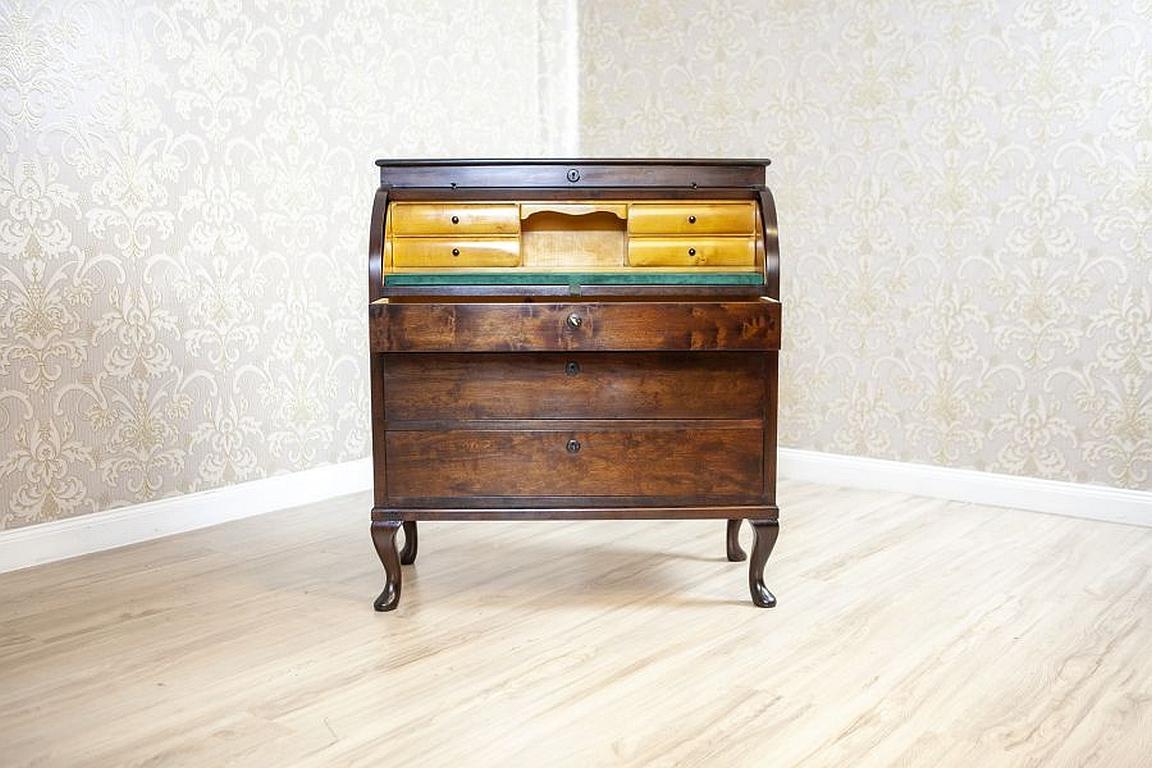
764	534
735	553
408	554
384	539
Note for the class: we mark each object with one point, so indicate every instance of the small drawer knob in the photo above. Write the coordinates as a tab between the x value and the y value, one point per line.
575	321
455	251
573	446
691	219
455	219
691	251
573	368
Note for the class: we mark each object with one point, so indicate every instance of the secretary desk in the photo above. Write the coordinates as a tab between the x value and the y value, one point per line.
577	340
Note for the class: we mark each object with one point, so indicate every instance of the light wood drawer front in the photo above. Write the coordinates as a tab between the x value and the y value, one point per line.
692	218
450	219
691	251
574	385
567	460
455	252
623	326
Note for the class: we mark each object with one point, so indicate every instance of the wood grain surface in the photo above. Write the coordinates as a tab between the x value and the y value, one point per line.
688	460
910	632
641	385
508	326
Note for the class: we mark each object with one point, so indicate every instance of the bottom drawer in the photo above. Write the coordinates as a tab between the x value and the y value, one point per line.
696	464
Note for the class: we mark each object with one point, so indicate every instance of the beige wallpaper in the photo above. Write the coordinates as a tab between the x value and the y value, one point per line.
965	200
184	199
964	190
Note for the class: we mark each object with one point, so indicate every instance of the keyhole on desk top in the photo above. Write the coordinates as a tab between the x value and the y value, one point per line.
573	368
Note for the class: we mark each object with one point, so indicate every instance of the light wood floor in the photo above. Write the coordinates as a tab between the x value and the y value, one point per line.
909	632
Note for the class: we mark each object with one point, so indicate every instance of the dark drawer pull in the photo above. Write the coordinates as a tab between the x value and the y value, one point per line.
691	219
455	251
691	251
574	320
572	368
573	446
455	219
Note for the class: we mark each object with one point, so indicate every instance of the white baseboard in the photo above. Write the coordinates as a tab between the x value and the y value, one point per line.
36	544
1094	502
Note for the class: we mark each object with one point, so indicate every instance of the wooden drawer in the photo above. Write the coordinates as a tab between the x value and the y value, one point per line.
691	251
455	218
562	461
455	252
581	385
691	218
625	326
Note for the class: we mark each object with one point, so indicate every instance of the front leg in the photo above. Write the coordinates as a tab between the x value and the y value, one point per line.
384	539
764	533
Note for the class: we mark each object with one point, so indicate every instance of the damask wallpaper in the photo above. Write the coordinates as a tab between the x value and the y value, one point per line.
184	198
965	191
965	197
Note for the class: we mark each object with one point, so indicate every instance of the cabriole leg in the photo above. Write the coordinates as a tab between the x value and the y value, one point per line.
408	554
735	553
384	539
764	533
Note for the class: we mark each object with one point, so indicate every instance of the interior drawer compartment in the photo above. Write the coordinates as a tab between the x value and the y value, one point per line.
580	385
562	461
692	218
444	325
691	251
455	218
455	252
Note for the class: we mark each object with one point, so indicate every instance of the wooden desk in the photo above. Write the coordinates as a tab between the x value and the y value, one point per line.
573	339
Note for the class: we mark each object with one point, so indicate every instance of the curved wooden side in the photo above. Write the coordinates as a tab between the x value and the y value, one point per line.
376	245
771	243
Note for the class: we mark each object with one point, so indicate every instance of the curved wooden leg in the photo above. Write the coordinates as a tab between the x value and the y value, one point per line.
384	539
764	533
408	554
735	553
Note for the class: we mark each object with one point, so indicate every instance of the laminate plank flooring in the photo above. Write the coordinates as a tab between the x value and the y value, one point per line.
910	632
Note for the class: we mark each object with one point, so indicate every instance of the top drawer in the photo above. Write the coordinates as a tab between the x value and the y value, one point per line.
455	218
625	326
690	218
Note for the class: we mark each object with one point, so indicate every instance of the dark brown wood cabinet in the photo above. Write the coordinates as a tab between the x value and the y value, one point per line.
573	339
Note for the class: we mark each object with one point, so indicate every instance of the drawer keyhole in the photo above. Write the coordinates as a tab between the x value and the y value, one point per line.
573	446
575	321
573	368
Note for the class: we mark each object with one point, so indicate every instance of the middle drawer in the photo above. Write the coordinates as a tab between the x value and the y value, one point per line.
633	385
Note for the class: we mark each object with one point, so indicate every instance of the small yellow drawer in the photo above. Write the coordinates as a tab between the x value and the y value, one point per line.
452	218
705	218
455	252
692	252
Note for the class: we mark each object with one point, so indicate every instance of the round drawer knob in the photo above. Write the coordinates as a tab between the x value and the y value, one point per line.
455	251
573	446
574	320
691	219
455	219
691	251
573	368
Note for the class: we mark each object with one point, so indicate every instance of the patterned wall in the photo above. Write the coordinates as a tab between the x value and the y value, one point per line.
965	191
184	198
965	197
